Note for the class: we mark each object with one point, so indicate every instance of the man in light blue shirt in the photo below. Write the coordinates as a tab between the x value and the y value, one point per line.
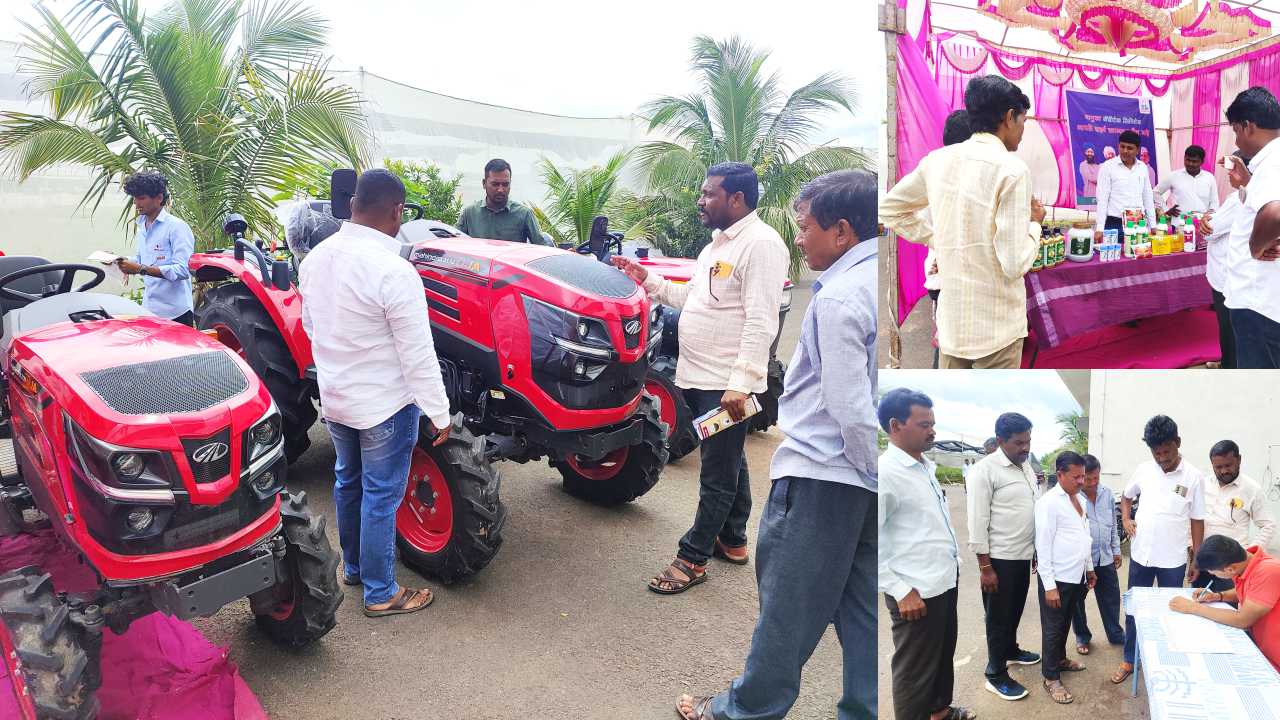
816	552
1100	507
165	244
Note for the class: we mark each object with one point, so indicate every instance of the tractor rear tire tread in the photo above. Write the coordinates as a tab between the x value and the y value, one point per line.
52	661
683	440
315	564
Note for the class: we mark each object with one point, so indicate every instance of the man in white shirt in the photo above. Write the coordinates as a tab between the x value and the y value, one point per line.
728	321
1227	231
1170	518
1001	493
367	318
1063	545
1124	183
1232	505
1193	189
1255	305
919	562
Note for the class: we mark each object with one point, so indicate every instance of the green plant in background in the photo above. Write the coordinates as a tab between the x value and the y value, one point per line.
949	475
1072	437
741	114
576	197
225	97
672	216
423	185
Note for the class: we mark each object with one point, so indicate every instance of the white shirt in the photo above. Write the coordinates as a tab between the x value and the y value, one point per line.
1063	542
1231	508
1219	262
729	316
1001	503
1121	187
366	314
918	548
1190	194
1255	284
1168	504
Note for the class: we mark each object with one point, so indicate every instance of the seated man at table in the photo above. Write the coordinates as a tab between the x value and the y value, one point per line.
1256	594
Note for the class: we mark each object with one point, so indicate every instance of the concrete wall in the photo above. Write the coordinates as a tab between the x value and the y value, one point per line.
1208	405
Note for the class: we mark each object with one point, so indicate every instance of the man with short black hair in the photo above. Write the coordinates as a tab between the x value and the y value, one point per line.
983	223
1062	549
1170	519
165	245
378	374
919	563
499	217
1002	491
728	321
1193	190
1253	578
1123	184
1105	558
1232	504
817	544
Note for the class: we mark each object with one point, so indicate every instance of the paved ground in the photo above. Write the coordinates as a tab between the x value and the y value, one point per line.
917	332
1095	696
560	625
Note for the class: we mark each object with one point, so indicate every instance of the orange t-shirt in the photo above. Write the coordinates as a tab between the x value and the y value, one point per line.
1260	583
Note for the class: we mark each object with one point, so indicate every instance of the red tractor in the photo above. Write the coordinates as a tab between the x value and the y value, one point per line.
164	473
544	354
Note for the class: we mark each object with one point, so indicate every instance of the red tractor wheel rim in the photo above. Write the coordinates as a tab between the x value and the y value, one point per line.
17	681
603	469
228	337
667	403
428	527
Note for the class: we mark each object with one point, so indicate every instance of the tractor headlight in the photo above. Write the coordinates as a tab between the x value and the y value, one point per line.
265	482
140	520
265	435
128	465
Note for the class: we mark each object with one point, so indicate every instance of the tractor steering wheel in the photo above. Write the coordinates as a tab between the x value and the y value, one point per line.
63	287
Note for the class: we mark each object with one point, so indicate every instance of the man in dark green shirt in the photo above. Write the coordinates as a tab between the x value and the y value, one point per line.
498	218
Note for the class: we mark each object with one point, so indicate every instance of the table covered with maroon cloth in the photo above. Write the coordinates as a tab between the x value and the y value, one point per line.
1074	298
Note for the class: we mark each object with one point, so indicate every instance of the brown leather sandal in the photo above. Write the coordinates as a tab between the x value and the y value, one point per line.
1058	692
694	575
1070	666
1121	674
401	604
735	555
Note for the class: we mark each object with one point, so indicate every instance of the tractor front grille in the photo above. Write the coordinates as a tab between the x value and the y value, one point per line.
586	273
209	458
186	384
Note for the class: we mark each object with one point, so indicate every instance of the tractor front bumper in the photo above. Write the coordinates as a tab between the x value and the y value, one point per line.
204	591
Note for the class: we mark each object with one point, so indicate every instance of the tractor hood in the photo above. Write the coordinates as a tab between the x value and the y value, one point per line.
492	259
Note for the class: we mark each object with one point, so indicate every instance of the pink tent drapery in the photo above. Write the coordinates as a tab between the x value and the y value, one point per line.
1206	113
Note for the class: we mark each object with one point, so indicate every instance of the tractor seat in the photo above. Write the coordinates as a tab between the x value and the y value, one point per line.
73	306
35	284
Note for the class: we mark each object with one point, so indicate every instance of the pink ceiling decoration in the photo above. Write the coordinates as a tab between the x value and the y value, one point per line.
1167	30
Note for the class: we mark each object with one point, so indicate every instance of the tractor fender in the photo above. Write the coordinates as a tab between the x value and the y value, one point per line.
283	306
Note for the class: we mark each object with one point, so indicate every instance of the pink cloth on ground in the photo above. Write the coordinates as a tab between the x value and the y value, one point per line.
162	668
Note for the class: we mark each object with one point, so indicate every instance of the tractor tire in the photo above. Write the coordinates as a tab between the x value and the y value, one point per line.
768	415
243	325
449	525
50	663
301	609
674	411
626	473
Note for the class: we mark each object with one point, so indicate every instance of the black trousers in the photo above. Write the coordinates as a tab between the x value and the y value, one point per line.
923	657
1226	335
1004	611
1113	223
1054	624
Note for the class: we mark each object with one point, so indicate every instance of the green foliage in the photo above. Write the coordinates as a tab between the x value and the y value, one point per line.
741	114
575	197
224	97
672	216
423	185
950	475
1072	437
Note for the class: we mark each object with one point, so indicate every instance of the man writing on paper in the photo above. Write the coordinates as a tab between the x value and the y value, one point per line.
1256	592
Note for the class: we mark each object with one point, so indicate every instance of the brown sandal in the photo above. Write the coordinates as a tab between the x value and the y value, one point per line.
701	710
1121	675
1082	649
694	575
401	604
956	712
735	555
1058	692
1070	666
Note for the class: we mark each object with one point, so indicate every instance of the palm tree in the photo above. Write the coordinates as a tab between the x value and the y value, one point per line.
576	197
224	97
1073	438
741	114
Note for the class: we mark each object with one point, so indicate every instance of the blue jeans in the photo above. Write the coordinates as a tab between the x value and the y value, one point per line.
1257	340
372	469
815	565
724	496
1142	576
1107	592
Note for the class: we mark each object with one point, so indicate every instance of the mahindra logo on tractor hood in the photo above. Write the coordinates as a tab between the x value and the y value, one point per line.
633	327
211	452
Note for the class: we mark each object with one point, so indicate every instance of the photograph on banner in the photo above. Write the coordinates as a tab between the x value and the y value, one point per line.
1095	122
1035	523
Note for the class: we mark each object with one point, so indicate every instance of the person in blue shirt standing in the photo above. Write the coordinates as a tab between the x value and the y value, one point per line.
816	560
165	244
1100	506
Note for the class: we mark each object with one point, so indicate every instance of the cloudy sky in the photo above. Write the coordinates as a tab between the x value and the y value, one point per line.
588	58
967	403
